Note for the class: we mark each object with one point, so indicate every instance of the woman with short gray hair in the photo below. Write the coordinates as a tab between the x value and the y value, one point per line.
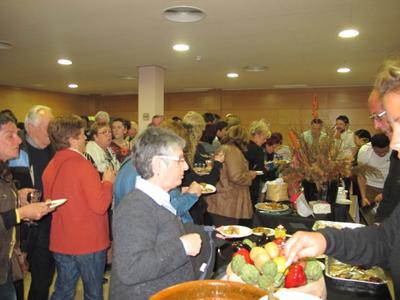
151	250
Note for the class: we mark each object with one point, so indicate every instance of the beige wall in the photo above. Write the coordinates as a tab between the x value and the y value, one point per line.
20	100
284	109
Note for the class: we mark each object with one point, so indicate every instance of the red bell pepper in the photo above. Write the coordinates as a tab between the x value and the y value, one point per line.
295	276
245	253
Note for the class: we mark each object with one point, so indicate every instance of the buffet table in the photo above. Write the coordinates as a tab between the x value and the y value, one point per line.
293	222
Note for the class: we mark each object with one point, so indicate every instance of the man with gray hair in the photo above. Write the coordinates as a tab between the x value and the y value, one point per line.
27	169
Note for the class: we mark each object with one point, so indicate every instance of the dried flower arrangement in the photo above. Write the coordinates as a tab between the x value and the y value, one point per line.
321	162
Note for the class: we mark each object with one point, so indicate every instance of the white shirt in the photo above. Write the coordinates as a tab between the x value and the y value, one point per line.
156	193
100	157
366	155
347	143
309	139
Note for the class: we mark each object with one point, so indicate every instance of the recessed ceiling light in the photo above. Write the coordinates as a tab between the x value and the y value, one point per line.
232	75
343	70
6	45
183	14
255	68
348	33
72	85
181	47
64	62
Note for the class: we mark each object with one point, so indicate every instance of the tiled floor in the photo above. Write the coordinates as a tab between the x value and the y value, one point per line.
79	288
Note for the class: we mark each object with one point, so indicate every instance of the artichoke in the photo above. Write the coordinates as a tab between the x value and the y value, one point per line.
313	270
269	269
265	281
279	279
238	261
249	274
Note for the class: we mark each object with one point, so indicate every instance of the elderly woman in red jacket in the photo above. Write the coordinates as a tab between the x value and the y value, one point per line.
79	229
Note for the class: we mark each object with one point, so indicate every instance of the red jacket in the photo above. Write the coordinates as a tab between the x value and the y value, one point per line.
80	226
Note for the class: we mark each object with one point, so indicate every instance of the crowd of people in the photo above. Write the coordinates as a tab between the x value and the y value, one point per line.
141	195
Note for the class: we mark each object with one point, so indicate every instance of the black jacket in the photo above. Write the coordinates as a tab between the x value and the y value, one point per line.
369	246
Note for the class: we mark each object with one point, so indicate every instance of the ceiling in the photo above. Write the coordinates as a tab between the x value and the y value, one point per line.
107	40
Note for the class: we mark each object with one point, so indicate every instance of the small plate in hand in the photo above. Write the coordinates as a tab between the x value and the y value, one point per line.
259	172
207	188
56	203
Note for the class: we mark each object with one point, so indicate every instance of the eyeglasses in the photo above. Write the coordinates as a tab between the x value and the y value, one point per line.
175	158
377	116
104	132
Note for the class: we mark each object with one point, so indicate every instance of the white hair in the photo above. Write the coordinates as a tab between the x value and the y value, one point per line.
32	117
102	114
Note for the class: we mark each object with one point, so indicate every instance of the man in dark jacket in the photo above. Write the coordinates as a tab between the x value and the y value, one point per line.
27	170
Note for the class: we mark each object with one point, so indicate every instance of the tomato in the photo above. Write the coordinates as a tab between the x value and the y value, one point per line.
280	242
245	253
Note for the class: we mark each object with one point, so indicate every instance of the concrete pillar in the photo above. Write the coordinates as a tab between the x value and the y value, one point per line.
151	94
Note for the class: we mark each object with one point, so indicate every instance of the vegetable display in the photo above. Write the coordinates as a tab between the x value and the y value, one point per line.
262	263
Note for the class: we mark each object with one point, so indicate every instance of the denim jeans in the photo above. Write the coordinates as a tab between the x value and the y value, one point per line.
69	267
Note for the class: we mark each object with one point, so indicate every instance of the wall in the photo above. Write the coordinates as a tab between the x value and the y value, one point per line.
284	109
20	100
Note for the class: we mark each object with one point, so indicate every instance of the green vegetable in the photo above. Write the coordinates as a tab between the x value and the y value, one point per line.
279	279
249	243
249	274
265	281
313	270
238	261
269	268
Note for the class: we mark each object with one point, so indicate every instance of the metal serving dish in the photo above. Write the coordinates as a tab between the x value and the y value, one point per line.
355	279
320	224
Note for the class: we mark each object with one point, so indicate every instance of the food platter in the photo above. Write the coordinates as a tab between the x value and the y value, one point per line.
353	278
207	188
272	207
320	224
263	230
234	231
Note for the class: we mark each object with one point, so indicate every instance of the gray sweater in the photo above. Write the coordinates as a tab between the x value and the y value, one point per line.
148	255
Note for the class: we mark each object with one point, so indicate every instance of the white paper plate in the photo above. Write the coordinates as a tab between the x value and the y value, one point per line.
259	172
292	295
242	231
208	189
56	203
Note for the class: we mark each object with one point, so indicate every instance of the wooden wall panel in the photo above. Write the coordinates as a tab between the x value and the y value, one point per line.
284	109
123	106
20	100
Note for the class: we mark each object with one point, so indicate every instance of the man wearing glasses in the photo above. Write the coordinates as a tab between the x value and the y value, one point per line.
391	188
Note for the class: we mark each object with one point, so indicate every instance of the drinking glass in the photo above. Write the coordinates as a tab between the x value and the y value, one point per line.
33	197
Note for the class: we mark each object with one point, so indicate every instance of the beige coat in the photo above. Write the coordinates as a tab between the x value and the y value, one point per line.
233	196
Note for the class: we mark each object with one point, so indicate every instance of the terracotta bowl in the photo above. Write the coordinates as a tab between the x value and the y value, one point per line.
210	290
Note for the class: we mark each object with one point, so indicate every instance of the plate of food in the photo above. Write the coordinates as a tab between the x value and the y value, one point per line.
259	172
321	224
55	203
272	207
234	231
207	188
263	230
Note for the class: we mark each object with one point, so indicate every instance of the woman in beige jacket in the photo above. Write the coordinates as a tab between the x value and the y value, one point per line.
232	204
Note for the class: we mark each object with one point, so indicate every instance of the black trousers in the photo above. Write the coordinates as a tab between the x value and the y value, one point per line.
41	261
